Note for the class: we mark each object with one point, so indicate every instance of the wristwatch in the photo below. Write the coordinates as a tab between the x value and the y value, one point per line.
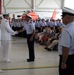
63	63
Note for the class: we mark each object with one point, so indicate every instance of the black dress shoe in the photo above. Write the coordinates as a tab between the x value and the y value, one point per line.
48	49
30	60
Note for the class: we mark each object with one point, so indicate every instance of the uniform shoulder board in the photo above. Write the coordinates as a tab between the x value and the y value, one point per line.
6	21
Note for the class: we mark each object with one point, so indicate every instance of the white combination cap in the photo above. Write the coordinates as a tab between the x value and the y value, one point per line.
27	15
68	11
5	14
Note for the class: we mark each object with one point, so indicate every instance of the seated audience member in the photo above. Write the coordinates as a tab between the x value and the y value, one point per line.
42	36
54	42
45	35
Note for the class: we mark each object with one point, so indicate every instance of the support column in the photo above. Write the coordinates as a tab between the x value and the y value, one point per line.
62	4
0	6
33	4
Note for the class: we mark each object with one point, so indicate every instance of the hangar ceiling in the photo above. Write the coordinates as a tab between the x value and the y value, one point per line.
44	8
36	5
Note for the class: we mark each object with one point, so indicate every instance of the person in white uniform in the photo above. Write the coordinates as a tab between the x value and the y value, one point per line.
66	43
0	39
0	29
6	32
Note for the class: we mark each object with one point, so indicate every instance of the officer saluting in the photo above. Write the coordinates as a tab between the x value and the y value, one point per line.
6	32
66	43
30	31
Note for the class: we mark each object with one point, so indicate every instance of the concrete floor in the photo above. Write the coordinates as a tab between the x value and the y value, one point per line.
46	62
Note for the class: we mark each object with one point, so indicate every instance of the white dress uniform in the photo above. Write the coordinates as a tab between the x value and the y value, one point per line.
0	35
0	42
6	32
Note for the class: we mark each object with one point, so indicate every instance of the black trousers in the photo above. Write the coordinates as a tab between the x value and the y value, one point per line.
70	66
30	47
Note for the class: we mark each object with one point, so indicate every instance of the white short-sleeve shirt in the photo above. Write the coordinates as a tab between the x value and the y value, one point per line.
66	39
29	27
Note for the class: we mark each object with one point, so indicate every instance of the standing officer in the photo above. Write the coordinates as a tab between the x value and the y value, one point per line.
66	43
30	31
6	31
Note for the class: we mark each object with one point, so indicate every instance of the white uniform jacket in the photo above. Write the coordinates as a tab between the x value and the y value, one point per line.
6	30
